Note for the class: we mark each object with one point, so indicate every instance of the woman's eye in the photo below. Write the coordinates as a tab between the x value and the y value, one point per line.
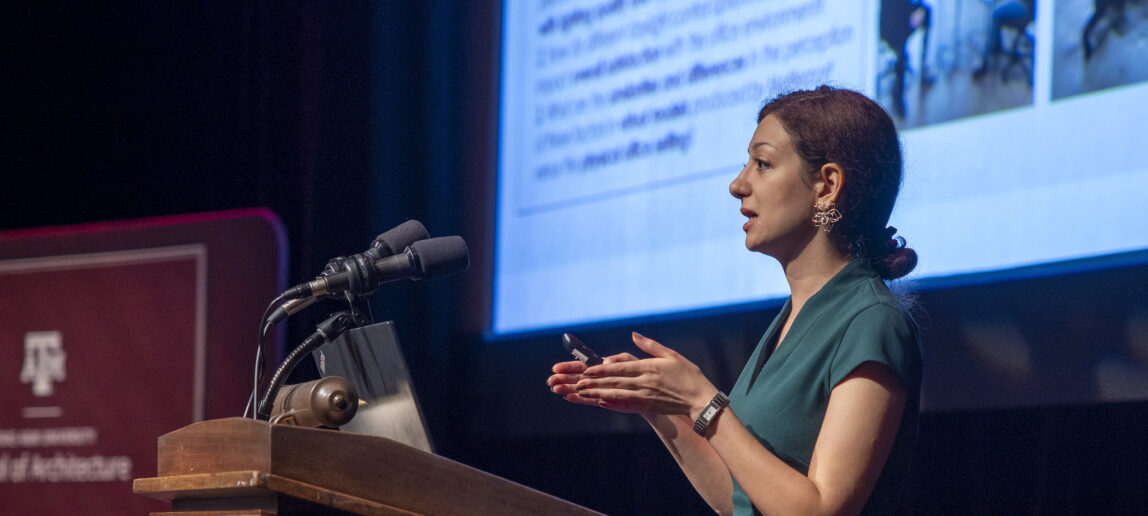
761	164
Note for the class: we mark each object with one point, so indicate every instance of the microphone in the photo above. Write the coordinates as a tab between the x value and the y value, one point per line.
396	239
360	275
393	240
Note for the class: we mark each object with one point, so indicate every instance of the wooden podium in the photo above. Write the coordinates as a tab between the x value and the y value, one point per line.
243	466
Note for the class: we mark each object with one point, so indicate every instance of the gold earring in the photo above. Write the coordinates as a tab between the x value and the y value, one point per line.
826	216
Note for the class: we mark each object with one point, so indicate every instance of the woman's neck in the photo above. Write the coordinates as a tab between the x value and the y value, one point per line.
811	269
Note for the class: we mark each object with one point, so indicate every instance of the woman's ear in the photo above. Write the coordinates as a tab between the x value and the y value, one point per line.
827	186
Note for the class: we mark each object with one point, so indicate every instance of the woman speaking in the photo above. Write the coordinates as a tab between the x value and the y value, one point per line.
823	417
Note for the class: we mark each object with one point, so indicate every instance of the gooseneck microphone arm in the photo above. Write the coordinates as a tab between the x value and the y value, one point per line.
325	332
386	244
356	276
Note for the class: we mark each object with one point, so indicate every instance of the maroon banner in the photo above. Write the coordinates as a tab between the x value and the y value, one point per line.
102	353
105	351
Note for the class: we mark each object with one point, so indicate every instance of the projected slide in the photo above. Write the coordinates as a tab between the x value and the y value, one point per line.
622	123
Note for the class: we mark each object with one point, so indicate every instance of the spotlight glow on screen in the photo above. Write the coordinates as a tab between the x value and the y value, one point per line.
622	123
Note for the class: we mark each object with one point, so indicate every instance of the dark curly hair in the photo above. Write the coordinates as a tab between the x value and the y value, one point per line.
830	125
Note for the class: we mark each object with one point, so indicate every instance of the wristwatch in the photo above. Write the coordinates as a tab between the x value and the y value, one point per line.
715	405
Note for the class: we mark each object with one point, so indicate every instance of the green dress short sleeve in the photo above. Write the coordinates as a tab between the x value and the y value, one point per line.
879	334
782	393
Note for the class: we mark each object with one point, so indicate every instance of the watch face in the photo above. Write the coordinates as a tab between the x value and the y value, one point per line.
709	412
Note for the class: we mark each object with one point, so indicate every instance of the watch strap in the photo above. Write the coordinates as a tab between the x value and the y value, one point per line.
719	401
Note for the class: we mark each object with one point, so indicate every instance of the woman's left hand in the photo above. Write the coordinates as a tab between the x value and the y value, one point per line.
665	383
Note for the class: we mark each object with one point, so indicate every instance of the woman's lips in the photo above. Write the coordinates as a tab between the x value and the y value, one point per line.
752	216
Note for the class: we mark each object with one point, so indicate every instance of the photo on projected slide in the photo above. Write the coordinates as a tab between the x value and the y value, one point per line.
942	61
1099	44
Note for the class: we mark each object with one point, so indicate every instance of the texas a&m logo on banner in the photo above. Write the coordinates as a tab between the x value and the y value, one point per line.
43	361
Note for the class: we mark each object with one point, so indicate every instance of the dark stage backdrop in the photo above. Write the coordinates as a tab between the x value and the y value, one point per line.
348	118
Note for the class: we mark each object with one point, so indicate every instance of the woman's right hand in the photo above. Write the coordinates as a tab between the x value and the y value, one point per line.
566	374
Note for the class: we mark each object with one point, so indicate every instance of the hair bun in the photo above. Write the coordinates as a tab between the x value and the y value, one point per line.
896	258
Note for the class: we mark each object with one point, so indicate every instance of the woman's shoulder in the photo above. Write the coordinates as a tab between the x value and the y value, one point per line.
872	297
882	313
882	331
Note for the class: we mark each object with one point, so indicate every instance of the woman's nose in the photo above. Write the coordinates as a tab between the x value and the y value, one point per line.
738	187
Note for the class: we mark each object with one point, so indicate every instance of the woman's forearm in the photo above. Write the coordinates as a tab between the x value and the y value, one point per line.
703	467
772	486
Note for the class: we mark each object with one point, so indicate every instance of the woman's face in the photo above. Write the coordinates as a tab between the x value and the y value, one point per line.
775	194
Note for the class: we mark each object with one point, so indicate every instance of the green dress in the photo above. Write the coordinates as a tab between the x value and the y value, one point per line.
781	396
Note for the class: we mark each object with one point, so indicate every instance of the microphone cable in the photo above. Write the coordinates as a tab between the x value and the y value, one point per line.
260	357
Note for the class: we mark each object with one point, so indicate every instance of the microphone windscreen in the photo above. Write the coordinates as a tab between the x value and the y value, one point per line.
440	256
398	238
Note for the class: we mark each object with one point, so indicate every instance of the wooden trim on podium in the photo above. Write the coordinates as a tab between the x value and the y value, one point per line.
249	465
253	512
235	484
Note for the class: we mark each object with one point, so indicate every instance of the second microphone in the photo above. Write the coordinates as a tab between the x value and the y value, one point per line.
361	274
